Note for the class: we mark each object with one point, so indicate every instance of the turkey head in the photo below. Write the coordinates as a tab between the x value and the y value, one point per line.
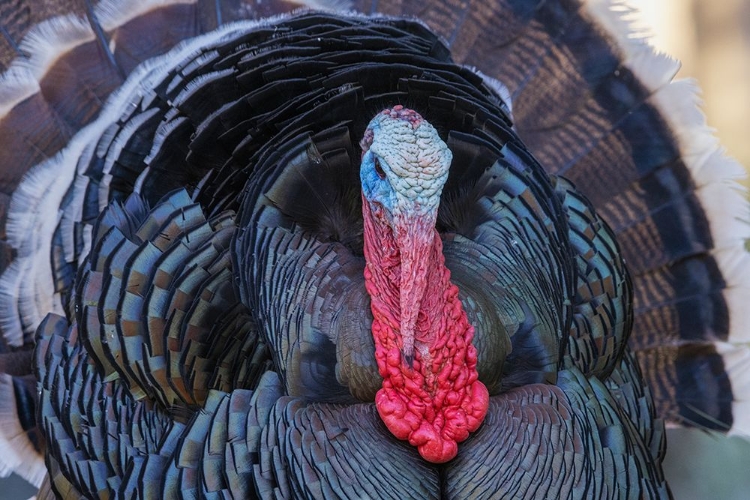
430	394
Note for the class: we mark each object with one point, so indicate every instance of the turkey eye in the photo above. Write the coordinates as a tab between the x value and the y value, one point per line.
379	169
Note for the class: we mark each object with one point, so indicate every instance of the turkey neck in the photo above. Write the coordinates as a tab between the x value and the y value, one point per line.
430	394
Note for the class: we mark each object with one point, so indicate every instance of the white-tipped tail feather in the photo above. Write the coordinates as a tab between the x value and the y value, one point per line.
49	40
114	13
16	85
737	364
715	176
27	287
18	454
44	44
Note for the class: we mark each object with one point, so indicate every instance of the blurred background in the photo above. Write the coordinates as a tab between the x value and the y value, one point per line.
712	39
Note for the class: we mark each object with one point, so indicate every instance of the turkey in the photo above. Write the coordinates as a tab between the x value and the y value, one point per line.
375	249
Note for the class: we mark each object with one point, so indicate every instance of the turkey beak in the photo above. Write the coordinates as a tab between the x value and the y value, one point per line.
415	241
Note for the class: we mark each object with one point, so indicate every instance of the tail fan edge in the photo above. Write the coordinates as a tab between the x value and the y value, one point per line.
715	176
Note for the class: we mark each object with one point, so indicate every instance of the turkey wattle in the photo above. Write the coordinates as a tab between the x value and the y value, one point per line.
340	255
430	395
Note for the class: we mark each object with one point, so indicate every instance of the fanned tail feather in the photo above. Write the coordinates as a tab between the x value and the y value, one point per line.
20	440
612	122
720	394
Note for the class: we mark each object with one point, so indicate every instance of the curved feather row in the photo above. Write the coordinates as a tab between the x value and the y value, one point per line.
262	118
63	82
77	177
155	304
153	456
132	246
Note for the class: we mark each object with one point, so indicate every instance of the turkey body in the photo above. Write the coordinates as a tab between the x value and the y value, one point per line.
199	306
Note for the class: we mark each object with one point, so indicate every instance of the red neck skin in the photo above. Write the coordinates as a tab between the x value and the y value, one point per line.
430	394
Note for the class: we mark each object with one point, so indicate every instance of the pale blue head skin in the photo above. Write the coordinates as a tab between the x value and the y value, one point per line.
413	162
374	188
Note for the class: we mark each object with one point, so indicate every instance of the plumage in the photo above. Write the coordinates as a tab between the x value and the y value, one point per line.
312	254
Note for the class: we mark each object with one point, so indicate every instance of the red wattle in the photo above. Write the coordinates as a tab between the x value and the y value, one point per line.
438	401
